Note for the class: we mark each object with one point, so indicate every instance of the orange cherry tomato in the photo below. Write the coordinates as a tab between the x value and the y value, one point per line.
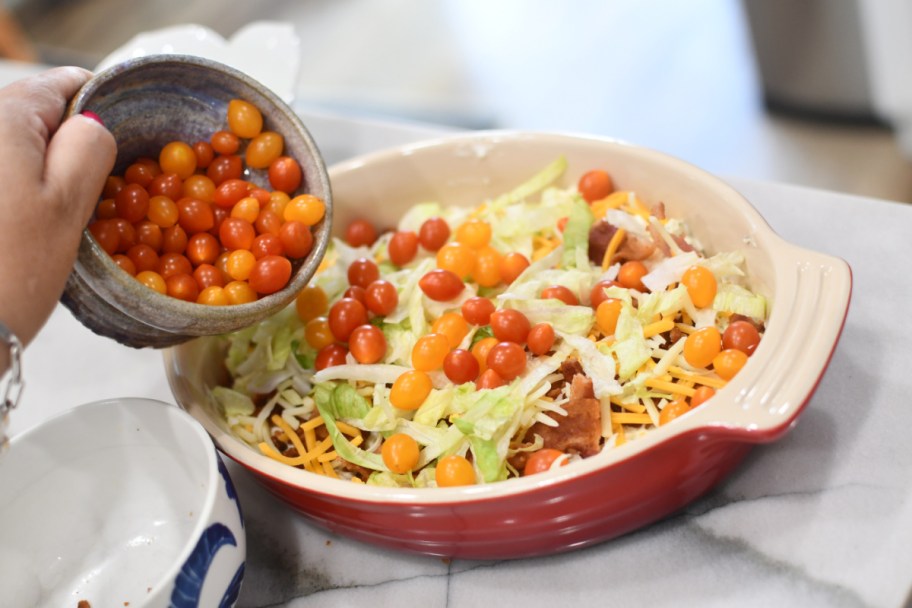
317	333
475	233
453	326
305	208
701	395
487	267
631	275
701	347
458	258
177	157
400	453
311	302
244	119
481	349
673	410
607	315
410	390
701	285
454	470
264	149
429	352
512	265
542	460
728	362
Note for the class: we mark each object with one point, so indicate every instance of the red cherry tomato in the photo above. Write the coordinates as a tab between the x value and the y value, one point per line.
367	344
477	310
508	359
510	325
540	338
595	185
741	335
360	232
489	379
433	233
270	274
344	316
441	285
597	295
362	272
132	202
285	174
381	297
224	168
330	355
296	239
195	215
403	247
560	292
460	366
235	233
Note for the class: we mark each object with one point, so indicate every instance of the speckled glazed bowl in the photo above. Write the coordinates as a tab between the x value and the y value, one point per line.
146	103
619	489
119	503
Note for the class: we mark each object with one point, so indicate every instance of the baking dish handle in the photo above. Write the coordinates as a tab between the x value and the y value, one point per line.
812	297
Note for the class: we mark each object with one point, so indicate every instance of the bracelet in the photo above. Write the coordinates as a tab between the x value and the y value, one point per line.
14	386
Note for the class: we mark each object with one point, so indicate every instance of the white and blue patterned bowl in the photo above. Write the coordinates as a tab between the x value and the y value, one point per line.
121	502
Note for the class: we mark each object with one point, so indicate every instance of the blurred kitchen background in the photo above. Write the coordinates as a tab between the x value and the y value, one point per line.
809	92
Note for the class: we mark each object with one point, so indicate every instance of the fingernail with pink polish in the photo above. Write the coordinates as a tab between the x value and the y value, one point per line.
93	116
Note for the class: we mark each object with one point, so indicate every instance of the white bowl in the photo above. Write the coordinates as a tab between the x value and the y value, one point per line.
119	503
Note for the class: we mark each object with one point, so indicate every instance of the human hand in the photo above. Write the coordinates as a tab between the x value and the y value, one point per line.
51	174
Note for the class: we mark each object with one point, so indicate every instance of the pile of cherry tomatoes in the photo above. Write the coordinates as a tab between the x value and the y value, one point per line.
190	225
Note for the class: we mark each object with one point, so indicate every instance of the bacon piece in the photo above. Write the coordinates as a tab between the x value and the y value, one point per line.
659	241
683	244
599	236
658	210
579	432
568	369
633	248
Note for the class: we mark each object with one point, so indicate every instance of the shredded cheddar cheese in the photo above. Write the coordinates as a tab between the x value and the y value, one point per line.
612	248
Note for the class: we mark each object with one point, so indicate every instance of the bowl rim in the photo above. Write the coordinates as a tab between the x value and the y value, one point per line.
318	183
703	424
147	407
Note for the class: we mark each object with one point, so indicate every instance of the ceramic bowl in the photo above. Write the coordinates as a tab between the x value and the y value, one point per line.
147	102
119	503
619	489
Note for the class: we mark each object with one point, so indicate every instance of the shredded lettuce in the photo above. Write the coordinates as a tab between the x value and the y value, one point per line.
576	234
337	401
232	403
273	359
735	299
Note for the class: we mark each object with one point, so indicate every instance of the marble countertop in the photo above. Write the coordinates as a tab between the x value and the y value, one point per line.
823	517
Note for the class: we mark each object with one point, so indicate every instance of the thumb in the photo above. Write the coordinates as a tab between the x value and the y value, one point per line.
80	156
